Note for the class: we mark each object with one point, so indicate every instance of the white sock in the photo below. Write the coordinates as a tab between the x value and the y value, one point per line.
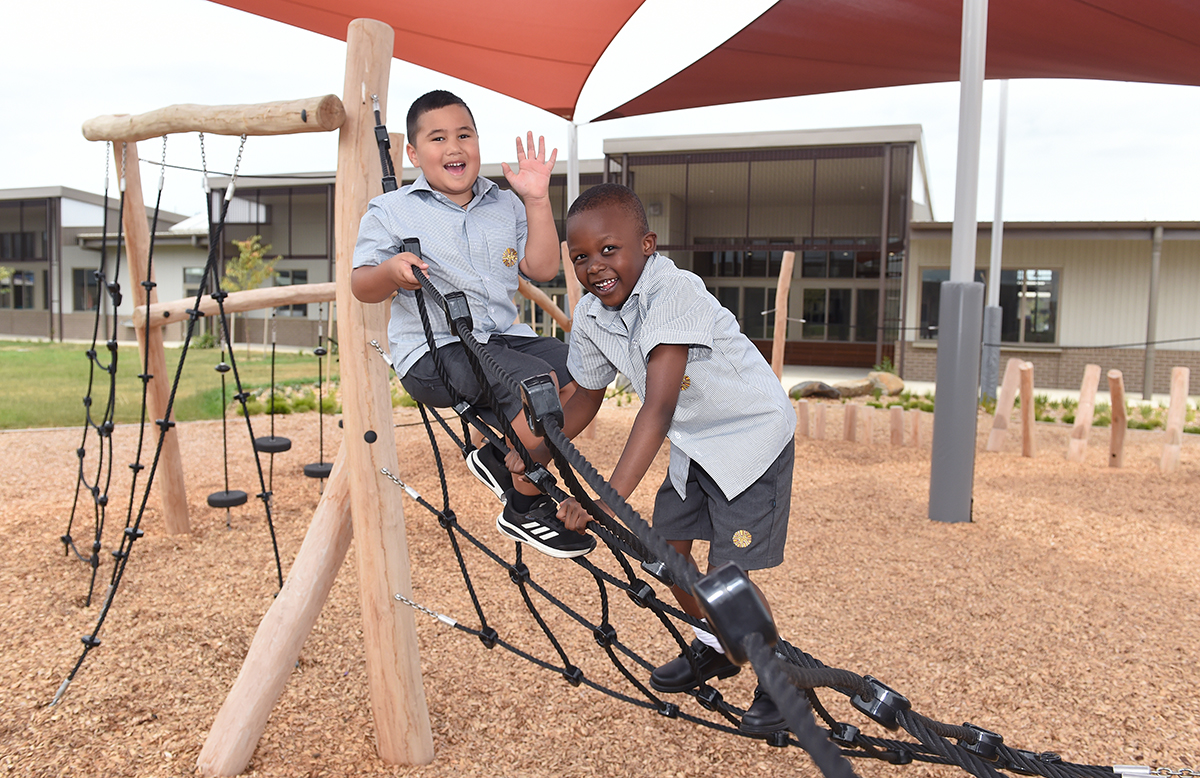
708	638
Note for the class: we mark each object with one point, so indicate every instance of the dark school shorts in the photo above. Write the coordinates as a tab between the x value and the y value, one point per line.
521	357
750	529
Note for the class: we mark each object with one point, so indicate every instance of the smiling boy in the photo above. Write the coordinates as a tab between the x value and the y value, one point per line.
476	238
705	387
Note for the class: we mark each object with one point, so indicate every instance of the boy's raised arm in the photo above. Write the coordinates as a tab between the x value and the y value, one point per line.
531	182
376	283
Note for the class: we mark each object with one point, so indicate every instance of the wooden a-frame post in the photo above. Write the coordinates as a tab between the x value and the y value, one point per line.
358	493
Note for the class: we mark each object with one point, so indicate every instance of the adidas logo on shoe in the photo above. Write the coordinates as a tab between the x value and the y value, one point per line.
541	529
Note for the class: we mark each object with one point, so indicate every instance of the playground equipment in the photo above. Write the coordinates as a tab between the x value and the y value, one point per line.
320	469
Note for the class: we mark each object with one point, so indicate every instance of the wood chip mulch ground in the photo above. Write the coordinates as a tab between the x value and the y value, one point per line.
1064	616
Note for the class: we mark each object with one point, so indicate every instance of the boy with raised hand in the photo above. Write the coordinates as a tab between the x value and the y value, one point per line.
476	238
705	387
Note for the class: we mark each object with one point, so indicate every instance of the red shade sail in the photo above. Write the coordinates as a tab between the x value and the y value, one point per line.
542	51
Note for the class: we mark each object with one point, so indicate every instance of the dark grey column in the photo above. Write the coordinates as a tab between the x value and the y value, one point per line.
989	371
952	471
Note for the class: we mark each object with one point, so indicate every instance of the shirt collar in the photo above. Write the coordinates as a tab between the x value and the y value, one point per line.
481	189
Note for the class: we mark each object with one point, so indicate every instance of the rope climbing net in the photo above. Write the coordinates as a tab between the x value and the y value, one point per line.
791	676
101	425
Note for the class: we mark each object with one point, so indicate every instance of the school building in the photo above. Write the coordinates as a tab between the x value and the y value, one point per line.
853	204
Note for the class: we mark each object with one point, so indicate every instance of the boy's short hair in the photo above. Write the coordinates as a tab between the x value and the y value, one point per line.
432	101
612	195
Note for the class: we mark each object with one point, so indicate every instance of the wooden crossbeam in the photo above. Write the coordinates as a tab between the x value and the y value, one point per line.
311	114
249	300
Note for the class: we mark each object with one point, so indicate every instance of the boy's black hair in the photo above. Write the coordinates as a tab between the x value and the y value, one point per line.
612	195
431	101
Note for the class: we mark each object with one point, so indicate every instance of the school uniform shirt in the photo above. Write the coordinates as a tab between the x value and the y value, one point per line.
474	250
733	417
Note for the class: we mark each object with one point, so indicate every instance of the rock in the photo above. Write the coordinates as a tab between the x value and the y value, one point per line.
856	388
890	383
813	389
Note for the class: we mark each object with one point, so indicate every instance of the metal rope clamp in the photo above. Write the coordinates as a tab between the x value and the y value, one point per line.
987	743
539	395
734	609
884	705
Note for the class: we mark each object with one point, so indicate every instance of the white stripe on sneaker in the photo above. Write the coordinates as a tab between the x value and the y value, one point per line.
540	530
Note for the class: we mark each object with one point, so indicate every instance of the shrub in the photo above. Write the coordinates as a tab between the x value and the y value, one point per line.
1068	418
885	366
1102	420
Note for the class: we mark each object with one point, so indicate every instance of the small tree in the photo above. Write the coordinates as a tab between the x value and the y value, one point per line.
6	274
249	270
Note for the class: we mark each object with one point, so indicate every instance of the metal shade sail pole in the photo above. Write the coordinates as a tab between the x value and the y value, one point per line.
989	375
960	315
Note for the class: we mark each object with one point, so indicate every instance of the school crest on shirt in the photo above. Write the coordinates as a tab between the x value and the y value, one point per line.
685	383
509	257
741	538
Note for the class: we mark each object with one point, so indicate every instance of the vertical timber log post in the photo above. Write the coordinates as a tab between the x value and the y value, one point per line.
169	475
1077	445
1116	441
281	634
782	290
896	417
1176	414
916	427
402	731
819	431
802	418
1004	405
850	422
868	424
1028	416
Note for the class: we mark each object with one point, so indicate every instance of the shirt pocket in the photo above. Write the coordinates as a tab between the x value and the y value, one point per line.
695	386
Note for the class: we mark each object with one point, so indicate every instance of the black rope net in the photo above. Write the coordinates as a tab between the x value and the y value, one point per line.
102	425
639	556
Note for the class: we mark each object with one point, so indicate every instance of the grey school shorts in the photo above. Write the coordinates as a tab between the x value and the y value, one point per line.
750	529
520	357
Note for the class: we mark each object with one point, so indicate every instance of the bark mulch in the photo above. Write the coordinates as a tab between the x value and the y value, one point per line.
1063	617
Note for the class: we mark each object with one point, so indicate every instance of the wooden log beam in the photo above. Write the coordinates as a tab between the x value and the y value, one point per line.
1116	440
402	731
276	646
543	301
1077	445
782	289
311	114
1028	417
168	476
1004	404
249	300
1176	414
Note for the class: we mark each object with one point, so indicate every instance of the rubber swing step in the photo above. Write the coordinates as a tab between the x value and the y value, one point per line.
229	499
272	444
318	469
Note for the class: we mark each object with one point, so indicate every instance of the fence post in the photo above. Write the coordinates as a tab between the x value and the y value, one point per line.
916	427
896	414
819	432
850	422
1077	445
1116	441
802	418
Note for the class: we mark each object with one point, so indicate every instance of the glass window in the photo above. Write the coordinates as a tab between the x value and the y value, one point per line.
814	264
288	278
814	315
839	314
841	264
85	289
192	276
730	297
760	318
866	315
931	298
827	314
1029	306
866	264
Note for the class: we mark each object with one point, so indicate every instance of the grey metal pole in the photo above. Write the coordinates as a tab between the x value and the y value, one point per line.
572	163
989	375
952	469
1152	315
883	251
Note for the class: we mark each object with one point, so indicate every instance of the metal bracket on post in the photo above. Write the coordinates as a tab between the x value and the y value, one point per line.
734	609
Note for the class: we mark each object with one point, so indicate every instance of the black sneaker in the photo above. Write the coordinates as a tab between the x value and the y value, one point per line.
678	675
486	465
763	717
540	528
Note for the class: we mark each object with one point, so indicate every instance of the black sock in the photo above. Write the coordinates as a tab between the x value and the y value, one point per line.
521	503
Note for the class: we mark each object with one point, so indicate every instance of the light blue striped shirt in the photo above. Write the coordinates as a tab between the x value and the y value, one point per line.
732	417
474	249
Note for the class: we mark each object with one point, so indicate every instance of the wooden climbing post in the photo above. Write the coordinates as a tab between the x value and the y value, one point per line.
1077	445
868	425
1004	404
896	417
802	418
782	290
819	427
850	422
1116	440
169	475
402	731
1028	417
915	415
1176	413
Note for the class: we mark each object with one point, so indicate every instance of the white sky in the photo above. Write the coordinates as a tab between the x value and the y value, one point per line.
1077	150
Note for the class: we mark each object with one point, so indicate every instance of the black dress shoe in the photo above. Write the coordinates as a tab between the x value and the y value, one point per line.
764	717
678	675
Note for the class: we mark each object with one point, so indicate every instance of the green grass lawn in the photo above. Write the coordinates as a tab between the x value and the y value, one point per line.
44	383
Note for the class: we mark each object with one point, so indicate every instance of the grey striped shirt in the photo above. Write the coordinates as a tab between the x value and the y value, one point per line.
474	249
733	417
